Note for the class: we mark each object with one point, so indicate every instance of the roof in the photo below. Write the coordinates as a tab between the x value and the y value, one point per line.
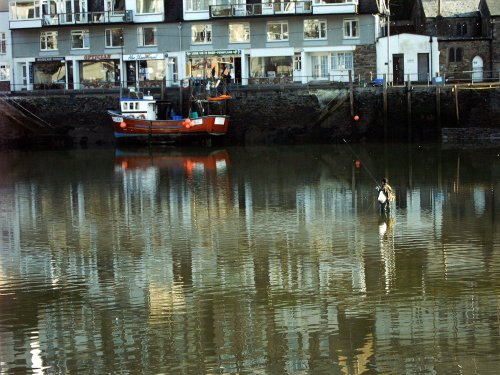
452	8
493	7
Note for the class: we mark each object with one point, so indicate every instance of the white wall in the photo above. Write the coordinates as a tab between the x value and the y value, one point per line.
410	45
6	59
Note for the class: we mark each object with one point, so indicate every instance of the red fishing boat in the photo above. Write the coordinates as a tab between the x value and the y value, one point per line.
138	119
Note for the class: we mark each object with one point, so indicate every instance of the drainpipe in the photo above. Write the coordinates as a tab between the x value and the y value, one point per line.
388	12
491	36
430	70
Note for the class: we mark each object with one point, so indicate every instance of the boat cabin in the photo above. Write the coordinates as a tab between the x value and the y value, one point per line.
139	106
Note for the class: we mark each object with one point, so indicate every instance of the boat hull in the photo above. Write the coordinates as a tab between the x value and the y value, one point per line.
205	127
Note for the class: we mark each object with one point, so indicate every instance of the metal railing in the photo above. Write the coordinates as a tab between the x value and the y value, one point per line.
81	18
332	80
249	10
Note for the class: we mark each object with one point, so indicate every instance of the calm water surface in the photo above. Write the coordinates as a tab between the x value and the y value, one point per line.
250	261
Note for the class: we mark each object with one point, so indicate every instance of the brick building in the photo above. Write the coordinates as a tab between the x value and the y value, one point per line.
464	45
490	13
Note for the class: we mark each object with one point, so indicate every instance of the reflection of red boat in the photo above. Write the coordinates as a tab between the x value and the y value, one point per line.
175	160
138	120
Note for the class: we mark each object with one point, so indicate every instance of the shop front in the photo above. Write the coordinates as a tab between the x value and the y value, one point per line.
99	71
49	73
145	69
215	64
271	66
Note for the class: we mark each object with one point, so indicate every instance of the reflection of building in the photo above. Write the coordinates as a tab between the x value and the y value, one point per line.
5	48
58	43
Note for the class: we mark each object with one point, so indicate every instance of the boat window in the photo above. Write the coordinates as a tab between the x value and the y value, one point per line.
124	106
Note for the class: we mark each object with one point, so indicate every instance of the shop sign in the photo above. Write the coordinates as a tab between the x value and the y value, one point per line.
104	56
49	59
145	56
217	52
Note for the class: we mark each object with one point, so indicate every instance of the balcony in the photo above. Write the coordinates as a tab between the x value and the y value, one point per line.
252	10
284	8
81	18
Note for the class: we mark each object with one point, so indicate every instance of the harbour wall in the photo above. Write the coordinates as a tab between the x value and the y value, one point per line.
289	115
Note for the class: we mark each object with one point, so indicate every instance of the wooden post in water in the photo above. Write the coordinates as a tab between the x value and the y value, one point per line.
455	88
408	103
351	93
438	108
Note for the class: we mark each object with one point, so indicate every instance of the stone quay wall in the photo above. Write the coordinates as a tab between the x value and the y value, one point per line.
290	115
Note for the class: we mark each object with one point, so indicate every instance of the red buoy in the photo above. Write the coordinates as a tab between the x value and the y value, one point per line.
123	125
356	118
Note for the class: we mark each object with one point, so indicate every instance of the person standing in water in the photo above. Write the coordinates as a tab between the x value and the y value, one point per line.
386	195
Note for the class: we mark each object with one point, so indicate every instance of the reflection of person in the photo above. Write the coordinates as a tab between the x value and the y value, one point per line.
388	195
385	226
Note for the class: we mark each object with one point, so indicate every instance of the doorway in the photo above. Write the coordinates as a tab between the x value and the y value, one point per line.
423	67
237	69
398	69
477	69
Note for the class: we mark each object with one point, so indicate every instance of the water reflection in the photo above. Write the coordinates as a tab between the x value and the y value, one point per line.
249	260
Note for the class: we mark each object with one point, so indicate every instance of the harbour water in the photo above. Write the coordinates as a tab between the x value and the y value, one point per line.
251	260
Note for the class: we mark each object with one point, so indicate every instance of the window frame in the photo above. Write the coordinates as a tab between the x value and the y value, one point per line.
198	5
84	35
141	36
206	32
461	29
297	61
157	7
245	31
5	68
320	23
110	37
455	55
335	59
282	34
350	32
45	38
3	43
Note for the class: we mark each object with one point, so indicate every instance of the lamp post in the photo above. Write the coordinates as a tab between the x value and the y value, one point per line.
122	41
179	27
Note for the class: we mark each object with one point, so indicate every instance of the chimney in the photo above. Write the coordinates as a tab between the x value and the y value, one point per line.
439	8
